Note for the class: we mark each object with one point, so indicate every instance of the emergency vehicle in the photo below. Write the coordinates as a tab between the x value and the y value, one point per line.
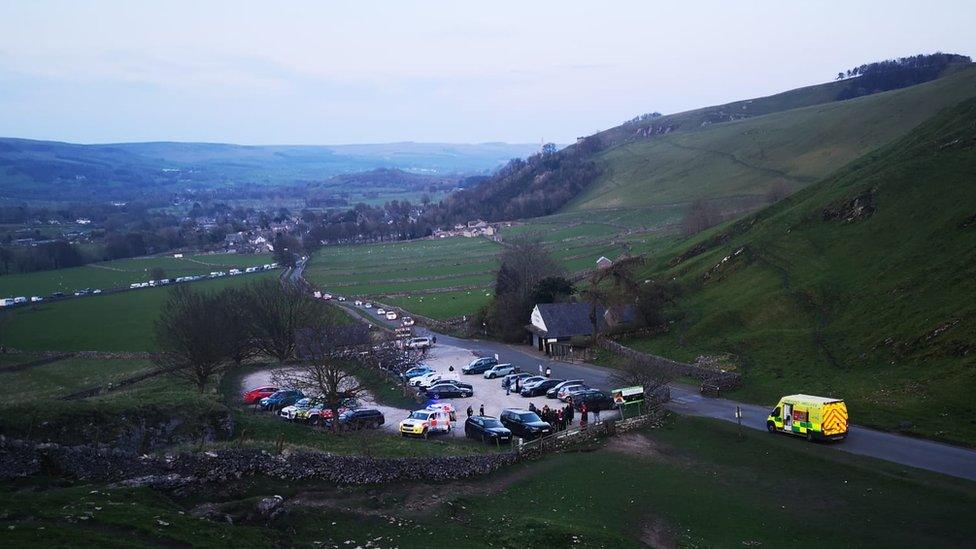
813	417
422	423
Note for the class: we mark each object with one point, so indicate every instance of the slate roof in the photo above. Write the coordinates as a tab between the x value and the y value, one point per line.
573	319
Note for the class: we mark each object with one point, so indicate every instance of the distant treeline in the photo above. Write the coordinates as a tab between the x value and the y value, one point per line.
896	73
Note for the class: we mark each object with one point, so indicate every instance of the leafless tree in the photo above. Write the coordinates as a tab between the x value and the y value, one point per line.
189	337
524	262
277	314
326	355
777	192
653	378
236	319
700	216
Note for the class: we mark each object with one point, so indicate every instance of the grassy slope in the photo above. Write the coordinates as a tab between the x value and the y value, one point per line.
690	484
113	322
748	157
853	310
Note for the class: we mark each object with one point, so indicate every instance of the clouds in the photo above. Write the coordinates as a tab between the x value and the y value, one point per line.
337	72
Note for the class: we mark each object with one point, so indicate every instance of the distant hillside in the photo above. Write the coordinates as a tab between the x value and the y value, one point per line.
736	154
862	286
36	169
796	139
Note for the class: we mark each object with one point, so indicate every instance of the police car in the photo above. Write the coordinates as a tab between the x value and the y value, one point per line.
422	423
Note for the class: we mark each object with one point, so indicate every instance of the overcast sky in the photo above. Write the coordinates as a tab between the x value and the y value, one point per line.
327	72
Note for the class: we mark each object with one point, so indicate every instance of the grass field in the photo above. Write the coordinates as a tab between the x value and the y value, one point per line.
447	278
112	322
748	157
692	483
67	376
119	273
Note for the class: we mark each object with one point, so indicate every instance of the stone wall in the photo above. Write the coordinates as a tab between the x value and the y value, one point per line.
711	379
19	459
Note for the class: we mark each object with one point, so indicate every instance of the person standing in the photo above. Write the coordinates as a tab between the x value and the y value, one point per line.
540	370
481	411
583	416
470	411
569	415
596	415
560	420
548	372
508	388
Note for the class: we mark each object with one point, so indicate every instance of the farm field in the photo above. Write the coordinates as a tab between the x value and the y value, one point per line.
446	278
120	273
66	376
113	322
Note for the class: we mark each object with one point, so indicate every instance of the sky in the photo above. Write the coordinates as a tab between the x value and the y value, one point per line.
333	72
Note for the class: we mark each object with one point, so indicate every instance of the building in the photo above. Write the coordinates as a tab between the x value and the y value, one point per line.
552	323
603	262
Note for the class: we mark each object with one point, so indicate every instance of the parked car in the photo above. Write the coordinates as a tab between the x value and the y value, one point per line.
449	390
281	399
368	305
423	423
525	424
487	429
538	388
420	343
499	370
433	379
510	379
390	315
551	393
381	312
290	413
358	303
595	400
569	390
253	395
418	381
416	371
340	298
408	321
320	412
364	418
479	365
36	299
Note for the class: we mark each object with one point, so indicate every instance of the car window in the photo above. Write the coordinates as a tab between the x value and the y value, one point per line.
420	415
492	423
528	417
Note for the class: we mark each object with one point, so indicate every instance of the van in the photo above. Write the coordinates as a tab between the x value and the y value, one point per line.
813	417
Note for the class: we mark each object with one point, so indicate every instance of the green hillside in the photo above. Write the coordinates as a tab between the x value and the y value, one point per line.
800	137
862	286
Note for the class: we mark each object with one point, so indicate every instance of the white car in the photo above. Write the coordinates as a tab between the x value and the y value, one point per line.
358	303
381	312
408	321
419	343
500	370
368	305
340	298
424	380
390	315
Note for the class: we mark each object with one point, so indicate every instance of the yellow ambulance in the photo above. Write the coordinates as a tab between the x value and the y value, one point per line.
813	417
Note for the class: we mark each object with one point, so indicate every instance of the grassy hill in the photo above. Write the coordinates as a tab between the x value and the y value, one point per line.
862	286
797	138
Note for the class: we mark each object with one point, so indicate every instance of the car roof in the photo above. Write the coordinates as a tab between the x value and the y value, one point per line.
519	410
483	417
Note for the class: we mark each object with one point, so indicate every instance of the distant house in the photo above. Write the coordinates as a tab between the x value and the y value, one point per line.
603	262
234	238
83	221
552	323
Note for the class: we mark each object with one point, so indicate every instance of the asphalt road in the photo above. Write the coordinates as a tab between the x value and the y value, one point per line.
685	399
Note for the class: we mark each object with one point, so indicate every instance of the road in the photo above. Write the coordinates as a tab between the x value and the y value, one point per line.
685	399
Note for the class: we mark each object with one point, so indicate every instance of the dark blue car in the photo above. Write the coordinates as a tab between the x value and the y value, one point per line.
281	399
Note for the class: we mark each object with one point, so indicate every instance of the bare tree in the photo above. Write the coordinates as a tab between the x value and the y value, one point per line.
190	341
777	192
524	263
327	353
654	378
277	314
235	312
700	216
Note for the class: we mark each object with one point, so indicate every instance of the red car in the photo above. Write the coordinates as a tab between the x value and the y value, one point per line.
254	395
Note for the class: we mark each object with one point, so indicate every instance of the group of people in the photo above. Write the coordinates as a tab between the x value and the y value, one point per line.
560	418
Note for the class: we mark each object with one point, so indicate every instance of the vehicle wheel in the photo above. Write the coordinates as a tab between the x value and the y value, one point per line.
809	436
770	426
425	434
